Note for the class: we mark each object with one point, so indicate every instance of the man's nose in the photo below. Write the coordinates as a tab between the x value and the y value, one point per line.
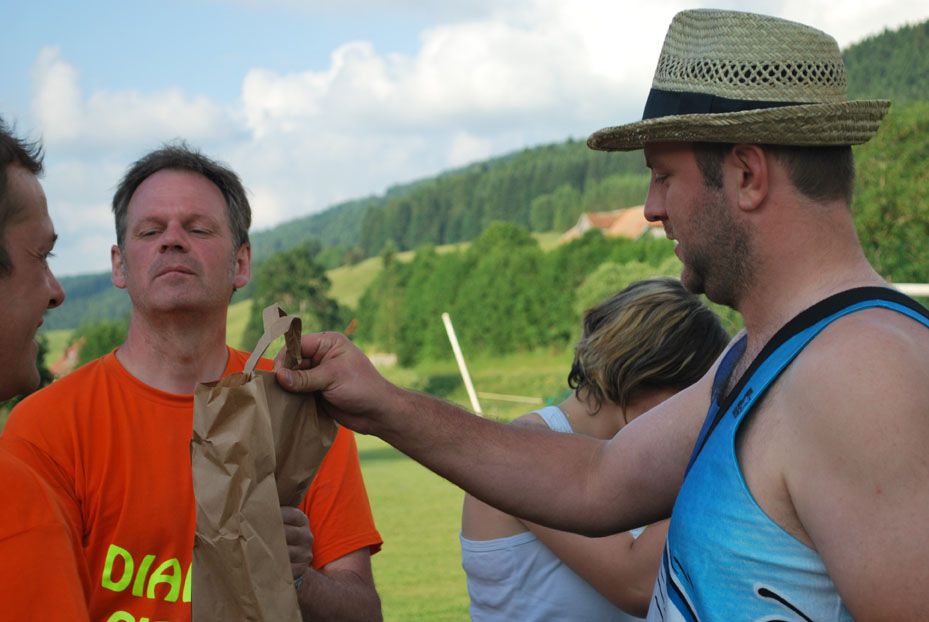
654	212
174	238
57	292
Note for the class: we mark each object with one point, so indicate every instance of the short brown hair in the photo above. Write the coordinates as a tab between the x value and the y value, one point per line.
181	157
654	334
13	151
819	173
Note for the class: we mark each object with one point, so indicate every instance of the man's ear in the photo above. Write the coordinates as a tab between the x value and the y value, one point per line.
118	268
753	176
243	266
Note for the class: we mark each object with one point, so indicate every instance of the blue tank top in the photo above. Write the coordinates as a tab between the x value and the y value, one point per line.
724	558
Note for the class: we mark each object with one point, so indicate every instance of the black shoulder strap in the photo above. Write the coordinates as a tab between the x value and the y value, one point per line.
787	343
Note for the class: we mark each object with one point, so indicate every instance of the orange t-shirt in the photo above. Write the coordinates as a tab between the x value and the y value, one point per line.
121	454
41	565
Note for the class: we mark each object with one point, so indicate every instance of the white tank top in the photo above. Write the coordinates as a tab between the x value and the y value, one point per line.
519	578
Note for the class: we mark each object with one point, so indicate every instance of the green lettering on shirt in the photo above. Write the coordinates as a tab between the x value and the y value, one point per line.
139	583
144	585
187	584
173	579
112	554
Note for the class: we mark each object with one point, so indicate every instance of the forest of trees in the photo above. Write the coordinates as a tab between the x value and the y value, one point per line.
892	65
296	280
541	187
504	292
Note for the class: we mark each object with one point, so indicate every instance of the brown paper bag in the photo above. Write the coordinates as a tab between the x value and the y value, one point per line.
255	447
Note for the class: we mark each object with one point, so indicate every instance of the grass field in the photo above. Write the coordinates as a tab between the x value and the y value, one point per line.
236	319
540	375
418	572
350	282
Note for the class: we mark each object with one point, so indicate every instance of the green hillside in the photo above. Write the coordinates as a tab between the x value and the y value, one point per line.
545	188
893	65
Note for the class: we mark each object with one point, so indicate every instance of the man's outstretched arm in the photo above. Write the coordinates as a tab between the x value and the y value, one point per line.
595	487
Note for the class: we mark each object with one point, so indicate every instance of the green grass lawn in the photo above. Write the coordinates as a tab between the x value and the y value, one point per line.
350	282
540	374
418	572
547	240
235	328
236	319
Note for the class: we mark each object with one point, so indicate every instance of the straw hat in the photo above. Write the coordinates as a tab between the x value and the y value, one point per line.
726	76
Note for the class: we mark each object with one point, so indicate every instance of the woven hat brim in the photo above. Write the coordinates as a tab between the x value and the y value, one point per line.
844	123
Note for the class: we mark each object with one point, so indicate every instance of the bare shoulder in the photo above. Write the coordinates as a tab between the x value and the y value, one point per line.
856	402
871	355
864	377
529	420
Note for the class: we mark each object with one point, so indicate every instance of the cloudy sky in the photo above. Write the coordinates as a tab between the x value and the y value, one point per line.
318	102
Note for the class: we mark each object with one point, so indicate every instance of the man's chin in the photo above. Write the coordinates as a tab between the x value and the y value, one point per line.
185	302
22	384
692	281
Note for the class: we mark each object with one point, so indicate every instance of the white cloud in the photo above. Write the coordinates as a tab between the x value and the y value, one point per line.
267	208
119	119
478	76
493	77
467	148
854	20
78	194
57	100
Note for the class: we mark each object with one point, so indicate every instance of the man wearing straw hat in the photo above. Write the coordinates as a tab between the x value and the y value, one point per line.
797	467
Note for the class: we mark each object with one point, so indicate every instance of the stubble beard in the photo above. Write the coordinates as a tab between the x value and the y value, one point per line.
181	300
720	264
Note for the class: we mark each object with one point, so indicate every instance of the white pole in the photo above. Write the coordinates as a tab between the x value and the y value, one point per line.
461	363
913	289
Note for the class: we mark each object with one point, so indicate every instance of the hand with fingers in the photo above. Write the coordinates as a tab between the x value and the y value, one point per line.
353	391
299	542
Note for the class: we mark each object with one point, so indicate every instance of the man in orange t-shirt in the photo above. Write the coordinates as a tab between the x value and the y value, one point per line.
42	574
116	432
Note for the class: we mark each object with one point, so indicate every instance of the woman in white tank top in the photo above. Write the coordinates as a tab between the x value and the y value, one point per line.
637	349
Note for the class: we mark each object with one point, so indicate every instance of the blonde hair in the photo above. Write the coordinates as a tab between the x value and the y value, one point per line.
654	334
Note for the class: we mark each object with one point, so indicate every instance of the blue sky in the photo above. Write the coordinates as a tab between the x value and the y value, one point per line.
318	102
201	46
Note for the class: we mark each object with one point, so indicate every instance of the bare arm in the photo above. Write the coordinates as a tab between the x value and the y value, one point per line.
858	478
619	567
342	589
606	487
622	568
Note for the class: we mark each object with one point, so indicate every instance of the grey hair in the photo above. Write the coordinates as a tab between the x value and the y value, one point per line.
181	157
